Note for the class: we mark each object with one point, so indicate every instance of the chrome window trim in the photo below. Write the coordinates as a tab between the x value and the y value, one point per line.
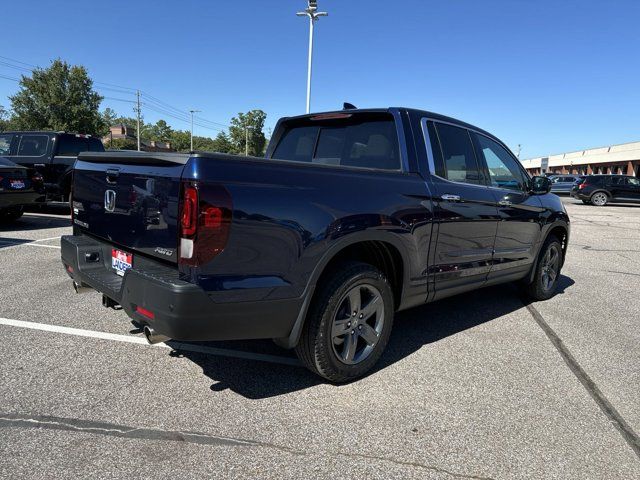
430	157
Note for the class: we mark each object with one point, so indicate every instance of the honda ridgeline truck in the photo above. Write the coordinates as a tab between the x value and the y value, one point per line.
351	216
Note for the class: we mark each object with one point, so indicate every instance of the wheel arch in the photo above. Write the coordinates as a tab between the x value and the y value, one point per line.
382	250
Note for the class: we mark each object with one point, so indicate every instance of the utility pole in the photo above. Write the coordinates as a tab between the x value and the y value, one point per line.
313	14
519	150
192	112
246	139
138	115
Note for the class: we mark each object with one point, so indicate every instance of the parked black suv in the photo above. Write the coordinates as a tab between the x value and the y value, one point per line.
601	189
51	154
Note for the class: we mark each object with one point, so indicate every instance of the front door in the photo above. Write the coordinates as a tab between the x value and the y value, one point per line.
464	210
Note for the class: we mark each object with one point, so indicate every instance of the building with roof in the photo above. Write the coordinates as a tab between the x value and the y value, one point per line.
126	133
621	159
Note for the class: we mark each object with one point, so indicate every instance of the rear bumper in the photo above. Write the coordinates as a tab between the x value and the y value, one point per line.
181	310
14	199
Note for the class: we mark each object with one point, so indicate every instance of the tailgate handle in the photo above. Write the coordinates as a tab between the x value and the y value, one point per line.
112	175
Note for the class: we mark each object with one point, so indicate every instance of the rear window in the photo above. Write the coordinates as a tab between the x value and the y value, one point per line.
358	141
71	146
597	181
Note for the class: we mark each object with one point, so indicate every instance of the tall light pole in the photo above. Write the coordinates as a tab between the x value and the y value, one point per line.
192	112
313	14
246	139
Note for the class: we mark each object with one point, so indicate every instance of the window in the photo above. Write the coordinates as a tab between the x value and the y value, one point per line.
348	142
456	160
5	144
633	181
616	181
504	171
33	145
95	145
71	146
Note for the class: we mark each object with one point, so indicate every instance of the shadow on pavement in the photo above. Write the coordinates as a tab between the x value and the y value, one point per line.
31	221
412	330
9	242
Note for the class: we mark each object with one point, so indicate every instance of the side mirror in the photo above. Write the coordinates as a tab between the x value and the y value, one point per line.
540	185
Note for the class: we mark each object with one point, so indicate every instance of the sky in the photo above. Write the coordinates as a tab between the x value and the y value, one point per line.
552	76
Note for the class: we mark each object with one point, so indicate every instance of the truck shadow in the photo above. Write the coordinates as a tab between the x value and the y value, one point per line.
33	221
413	329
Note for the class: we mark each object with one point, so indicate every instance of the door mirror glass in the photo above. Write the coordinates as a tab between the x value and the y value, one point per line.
540	185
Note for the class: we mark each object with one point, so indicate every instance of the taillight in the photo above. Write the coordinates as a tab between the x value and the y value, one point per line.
582	185
37	178
204	222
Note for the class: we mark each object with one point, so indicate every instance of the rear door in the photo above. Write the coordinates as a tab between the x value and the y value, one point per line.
464	208
132	205
520	212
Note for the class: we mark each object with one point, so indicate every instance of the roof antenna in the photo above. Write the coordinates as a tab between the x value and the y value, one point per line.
349	106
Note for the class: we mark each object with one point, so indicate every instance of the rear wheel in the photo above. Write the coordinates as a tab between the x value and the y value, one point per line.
11	214
599	199
349	323
547	272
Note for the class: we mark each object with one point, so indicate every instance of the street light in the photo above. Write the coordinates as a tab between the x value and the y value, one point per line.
192	112
313	14
246	139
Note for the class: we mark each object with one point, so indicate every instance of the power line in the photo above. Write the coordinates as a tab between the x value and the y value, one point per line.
160	105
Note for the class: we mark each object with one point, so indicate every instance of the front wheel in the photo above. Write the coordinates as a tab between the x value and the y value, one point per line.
547	272
349	323
599	199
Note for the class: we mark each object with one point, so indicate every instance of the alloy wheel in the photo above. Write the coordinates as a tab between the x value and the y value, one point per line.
550	267
357	324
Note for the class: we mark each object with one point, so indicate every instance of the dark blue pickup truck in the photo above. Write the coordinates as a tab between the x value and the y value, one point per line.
351	216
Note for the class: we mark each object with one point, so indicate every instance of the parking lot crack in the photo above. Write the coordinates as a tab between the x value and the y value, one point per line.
415	465
629	435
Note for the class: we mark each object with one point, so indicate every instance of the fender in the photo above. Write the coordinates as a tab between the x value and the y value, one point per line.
548	228
339	245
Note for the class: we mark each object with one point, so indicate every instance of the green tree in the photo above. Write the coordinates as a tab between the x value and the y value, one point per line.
60	97
160	131
222	144
5	119
249	125
121	144
180	140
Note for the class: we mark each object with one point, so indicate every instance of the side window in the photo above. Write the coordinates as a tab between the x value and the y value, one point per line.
457	158
504	172
6	143
33	145
633	181
616	181
71	146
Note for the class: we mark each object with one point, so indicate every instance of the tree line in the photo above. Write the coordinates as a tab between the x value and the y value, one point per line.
62	97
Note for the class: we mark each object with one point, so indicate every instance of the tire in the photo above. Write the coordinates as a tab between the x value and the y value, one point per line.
11	214
337	343
599	199
548	267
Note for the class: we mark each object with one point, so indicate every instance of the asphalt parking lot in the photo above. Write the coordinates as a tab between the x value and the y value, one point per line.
479	386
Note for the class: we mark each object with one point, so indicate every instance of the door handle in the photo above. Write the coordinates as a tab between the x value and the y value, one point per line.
450	198
38	165
505	203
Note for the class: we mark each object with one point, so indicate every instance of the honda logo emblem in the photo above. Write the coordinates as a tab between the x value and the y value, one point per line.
109	200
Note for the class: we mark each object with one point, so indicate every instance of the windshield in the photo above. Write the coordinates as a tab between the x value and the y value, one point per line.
5	144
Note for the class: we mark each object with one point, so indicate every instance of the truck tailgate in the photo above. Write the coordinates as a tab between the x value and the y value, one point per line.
130	200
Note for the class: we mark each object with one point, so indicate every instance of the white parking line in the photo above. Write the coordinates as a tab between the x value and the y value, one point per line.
223	352
6	245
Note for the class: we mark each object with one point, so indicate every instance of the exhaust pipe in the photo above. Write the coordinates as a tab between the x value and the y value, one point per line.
153	337
79	288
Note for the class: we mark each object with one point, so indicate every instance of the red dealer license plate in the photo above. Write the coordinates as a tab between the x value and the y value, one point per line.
121	261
